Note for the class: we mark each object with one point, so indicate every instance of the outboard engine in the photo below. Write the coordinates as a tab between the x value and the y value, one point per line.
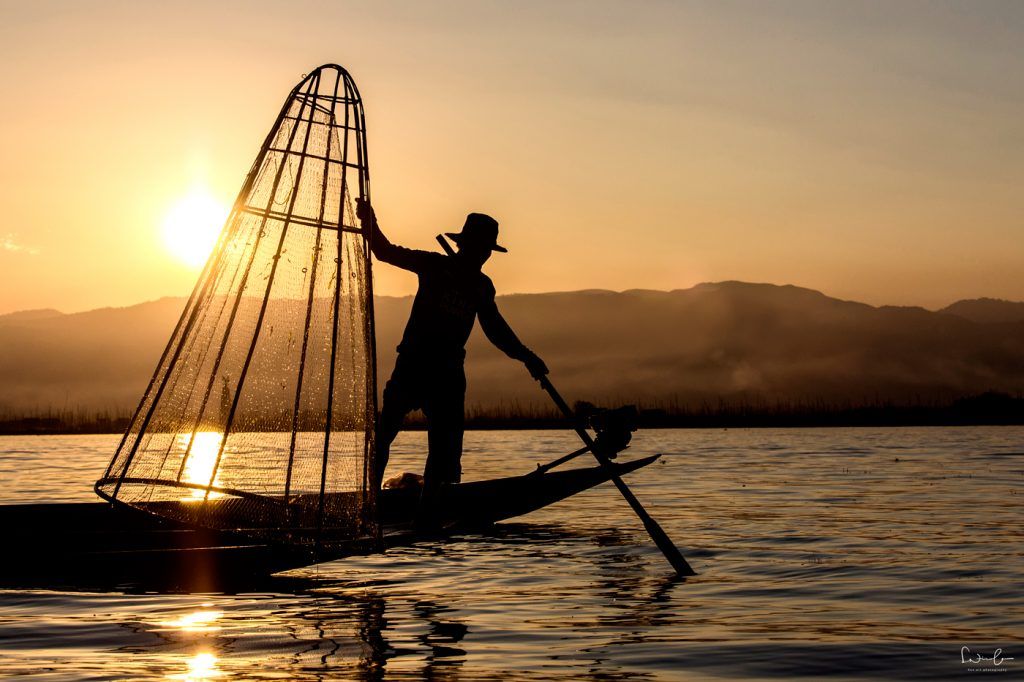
614	428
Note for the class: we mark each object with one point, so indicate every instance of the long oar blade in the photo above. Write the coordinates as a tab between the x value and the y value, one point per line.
654	529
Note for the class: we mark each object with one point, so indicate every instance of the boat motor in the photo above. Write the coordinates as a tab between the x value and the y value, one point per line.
614	428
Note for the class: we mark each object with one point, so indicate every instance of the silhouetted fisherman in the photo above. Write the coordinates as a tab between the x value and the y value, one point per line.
429	372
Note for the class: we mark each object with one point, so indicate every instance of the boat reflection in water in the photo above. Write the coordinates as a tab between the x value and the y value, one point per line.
202	457
322	628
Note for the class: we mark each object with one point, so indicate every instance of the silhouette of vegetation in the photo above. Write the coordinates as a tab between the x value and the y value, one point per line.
63	421
989	408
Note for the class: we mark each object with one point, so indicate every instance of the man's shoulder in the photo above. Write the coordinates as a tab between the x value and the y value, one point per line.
487	286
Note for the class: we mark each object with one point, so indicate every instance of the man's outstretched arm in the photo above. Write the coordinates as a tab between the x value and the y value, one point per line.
383	249
501	335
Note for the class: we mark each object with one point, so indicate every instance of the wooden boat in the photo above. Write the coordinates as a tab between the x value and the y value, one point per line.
95	543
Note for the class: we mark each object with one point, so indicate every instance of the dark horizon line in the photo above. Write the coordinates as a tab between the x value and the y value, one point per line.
569	291
982	409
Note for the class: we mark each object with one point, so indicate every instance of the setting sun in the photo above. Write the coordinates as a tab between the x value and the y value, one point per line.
191	226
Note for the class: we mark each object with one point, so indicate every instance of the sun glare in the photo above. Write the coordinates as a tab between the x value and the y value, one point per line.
201	460
192	224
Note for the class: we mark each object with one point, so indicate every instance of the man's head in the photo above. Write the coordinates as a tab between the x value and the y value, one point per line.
479	237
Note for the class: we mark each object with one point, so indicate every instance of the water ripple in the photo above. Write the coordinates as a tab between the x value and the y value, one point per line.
839	553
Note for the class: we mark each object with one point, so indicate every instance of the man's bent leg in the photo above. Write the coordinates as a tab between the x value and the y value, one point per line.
444	446
445	412
397	403
444	408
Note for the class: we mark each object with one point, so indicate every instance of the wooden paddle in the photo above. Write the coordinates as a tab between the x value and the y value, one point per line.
654	529
660	537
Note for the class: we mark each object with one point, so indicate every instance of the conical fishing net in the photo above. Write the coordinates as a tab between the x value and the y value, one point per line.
260	414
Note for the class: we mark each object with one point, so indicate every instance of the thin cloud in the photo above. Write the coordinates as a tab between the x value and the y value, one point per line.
8	243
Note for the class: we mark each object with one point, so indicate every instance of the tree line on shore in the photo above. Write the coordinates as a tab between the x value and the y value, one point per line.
988	408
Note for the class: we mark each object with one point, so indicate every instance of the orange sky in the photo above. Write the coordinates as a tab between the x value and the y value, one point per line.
870	150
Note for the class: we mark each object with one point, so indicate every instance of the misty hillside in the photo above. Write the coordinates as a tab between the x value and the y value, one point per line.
987	310
723	340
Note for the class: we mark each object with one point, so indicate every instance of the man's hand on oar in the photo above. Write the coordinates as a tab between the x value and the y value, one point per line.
535	366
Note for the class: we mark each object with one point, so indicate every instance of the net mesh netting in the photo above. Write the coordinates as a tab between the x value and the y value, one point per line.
260	414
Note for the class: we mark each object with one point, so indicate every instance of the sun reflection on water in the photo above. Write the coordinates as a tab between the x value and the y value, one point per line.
197	621
201	460
201	666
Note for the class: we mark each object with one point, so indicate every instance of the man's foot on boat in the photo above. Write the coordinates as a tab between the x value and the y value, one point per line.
429	519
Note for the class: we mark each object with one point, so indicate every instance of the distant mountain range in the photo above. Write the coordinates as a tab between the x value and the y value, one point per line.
986	310
712	342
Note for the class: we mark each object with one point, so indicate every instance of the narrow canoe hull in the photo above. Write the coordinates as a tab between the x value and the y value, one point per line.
98	543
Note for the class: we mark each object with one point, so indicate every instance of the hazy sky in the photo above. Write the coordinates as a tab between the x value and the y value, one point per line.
874	151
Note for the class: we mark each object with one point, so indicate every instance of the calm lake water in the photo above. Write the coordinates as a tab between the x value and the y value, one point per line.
858	553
